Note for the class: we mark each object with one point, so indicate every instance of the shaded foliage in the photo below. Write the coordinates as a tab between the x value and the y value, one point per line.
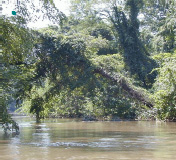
136	58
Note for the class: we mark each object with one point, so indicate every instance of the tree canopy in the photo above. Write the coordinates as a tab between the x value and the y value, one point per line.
96	62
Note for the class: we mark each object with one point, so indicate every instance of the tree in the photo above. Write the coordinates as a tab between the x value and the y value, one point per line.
165	86
136	58
17	44
158	26
66	64
65	56
74	69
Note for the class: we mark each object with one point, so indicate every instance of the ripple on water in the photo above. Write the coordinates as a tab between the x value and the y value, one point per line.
102	144
25	124
40	134
108	139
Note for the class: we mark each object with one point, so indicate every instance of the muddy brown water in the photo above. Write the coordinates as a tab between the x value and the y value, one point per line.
70	139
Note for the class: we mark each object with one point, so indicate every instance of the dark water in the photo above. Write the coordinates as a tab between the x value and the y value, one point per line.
64	139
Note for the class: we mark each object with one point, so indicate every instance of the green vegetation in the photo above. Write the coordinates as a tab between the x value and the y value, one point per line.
165	86
94	63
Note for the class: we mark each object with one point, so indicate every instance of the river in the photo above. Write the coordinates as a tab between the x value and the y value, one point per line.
70	139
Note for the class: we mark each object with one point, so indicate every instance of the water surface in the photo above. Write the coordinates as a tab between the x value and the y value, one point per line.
64	139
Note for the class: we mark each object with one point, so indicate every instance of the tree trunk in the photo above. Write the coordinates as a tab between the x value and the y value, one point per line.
136	57
132	92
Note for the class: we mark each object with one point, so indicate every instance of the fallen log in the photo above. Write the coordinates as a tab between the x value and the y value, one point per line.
131	90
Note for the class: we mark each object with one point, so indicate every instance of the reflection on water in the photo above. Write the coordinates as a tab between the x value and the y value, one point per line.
72	139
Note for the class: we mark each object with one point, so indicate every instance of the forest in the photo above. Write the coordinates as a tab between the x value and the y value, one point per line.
108	60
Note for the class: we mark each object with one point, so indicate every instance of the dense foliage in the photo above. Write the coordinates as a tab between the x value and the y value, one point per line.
165	86
96	63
